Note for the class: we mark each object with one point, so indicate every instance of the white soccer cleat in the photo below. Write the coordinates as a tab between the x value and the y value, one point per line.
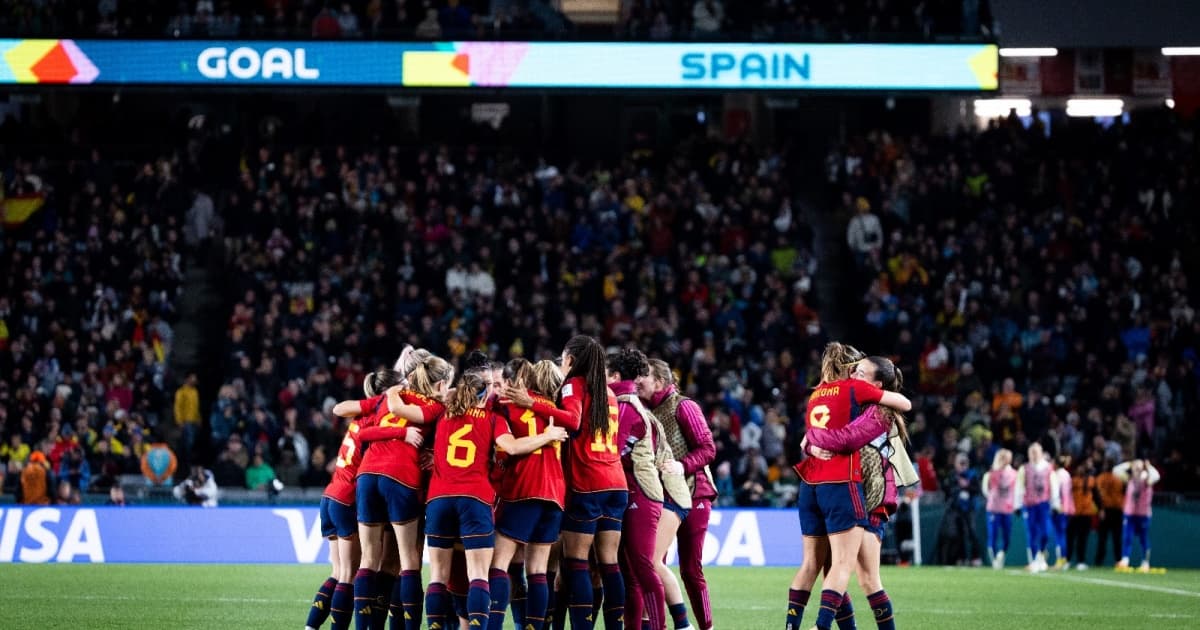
1081	567
998	561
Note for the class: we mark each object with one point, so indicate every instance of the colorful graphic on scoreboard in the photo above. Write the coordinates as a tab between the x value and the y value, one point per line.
44	61
543	65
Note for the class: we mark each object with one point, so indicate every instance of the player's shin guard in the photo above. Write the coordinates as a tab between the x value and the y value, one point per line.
499	586
579	592
537	602
881	605
830	602
845	614
319	611
797	601
520	593
479	604
614	596
410	599
364	598
438	608
341	607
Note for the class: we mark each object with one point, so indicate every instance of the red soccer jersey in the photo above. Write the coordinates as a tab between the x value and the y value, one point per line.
833	406
593	462
341	487
538	475
391	457
462	455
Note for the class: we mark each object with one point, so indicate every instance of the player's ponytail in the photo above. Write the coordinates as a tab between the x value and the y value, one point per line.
471	387
409	359
891	379
425	377
544	378
379	381
837	361
519	373
588	364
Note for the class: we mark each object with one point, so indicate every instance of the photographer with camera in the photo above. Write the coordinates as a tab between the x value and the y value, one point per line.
200	488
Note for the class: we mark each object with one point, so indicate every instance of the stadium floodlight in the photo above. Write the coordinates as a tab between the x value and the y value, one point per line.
1000	107
1169	51
1095	107
1028	52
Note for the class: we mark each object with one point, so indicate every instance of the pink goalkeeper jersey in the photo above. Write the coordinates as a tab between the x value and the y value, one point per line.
1037	483
1063	479
1138	495
1002	490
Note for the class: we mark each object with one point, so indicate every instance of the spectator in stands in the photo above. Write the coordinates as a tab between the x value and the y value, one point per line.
865	232
36	480
116	496
260	474
187	413
707	17
429	27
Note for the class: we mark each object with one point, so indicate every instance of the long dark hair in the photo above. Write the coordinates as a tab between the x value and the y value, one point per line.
588	364
892	380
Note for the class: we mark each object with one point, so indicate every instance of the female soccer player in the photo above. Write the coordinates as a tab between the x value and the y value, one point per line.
831	502
691	441
1000	491
339	523
461	494
1062	503
389	482
1034	481
879	434
596	490
1140	478
532	495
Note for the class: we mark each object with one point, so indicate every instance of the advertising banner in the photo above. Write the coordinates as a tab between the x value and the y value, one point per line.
543	65
290	535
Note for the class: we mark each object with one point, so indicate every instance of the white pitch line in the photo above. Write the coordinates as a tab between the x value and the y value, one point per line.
1104	582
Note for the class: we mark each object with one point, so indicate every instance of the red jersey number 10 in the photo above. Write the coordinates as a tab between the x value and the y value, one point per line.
530	421
461	453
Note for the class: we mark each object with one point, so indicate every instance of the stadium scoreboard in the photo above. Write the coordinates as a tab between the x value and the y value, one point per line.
491	64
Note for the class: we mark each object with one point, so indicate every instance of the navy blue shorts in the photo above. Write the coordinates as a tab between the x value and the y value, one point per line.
337	520
674	507
831	508
590	512
384	500
449	518
876	524
532	521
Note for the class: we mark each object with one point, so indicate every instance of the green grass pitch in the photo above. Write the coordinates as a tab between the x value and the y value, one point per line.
95	597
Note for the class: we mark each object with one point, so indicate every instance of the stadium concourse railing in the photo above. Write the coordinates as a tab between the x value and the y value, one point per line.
147	531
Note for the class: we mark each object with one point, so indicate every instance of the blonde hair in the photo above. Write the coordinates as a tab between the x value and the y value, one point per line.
998	460
409	359
545	378
837	361
661	371
466	394
425	377
518	372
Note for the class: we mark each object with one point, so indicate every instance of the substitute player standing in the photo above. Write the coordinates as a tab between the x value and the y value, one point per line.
1034	481
1000	491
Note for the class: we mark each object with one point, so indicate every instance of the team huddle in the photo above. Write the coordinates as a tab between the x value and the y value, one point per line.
554	490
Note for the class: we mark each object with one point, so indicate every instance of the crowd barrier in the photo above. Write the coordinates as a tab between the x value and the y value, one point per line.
287	535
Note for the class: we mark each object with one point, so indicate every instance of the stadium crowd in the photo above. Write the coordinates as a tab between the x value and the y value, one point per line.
86	315
1040	297
909	20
